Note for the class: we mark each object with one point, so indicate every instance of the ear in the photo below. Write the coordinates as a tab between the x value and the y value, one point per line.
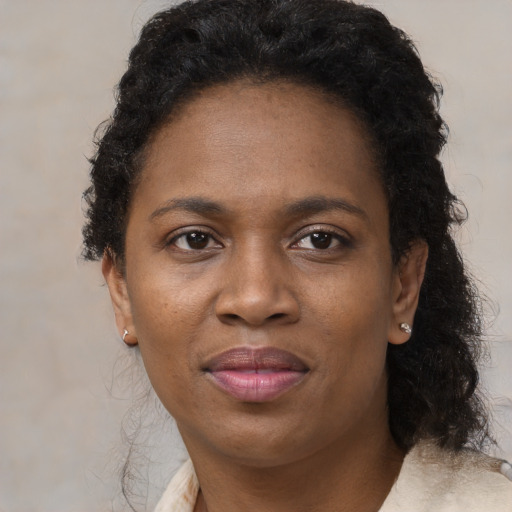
116	283
409	276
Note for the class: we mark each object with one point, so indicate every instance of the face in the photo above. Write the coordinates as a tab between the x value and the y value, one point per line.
258	276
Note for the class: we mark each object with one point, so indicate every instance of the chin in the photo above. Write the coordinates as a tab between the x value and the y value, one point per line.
262	440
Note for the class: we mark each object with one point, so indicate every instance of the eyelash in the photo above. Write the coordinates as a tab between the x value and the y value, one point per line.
190	232
342	241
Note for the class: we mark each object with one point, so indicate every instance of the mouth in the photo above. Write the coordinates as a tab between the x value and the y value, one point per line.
256	374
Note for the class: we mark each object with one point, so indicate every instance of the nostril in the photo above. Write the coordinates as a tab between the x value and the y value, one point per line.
277	316
231	317
255	305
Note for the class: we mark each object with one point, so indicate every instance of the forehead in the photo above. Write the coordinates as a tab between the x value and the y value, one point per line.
246	142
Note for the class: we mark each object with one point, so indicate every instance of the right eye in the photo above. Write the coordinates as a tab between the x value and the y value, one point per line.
194	241
319	240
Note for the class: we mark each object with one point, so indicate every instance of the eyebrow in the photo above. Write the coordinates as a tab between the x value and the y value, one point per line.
318	204
197	205
303	207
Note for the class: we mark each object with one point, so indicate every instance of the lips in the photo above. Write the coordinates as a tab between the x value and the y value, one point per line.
256	374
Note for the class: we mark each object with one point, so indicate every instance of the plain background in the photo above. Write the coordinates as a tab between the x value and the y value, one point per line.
65	378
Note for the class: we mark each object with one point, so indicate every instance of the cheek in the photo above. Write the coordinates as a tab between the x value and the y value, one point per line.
168	315
166	305
353	298
354	311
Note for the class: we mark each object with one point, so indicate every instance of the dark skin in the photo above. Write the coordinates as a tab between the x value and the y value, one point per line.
259	221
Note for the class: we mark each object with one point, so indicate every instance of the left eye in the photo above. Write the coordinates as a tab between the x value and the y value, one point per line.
194	241
319	240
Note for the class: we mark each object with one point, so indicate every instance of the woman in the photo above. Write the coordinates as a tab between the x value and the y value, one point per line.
275	231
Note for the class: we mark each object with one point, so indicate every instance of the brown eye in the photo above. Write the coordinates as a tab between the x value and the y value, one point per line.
193	241
319	240
197	240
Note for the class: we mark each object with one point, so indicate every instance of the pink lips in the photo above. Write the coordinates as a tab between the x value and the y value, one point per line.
256	374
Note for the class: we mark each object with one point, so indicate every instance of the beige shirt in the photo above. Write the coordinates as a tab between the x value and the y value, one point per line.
431	480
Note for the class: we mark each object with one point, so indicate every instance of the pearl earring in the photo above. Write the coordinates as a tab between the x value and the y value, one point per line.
405	327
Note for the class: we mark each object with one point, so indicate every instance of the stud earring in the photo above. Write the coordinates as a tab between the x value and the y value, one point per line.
405	327
128	338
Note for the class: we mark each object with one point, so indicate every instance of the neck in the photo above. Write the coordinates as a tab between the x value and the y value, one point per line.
353	474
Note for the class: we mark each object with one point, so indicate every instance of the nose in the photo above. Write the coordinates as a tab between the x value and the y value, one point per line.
257	289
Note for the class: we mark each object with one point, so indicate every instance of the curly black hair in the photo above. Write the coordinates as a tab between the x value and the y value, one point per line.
352	52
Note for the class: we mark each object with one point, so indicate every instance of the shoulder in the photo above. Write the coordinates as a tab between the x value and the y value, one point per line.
181	493
433	479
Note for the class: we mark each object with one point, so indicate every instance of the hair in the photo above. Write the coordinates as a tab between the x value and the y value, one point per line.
353	53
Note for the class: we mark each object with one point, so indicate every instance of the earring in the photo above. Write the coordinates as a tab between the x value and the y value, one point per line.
405	327
128	338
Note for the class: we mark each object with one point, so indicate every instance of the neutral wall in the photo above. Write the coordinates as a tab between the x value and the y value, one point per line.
60	401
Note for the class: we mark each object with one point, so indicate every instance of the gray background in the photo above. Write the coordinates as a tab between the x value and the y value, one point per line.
65	379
